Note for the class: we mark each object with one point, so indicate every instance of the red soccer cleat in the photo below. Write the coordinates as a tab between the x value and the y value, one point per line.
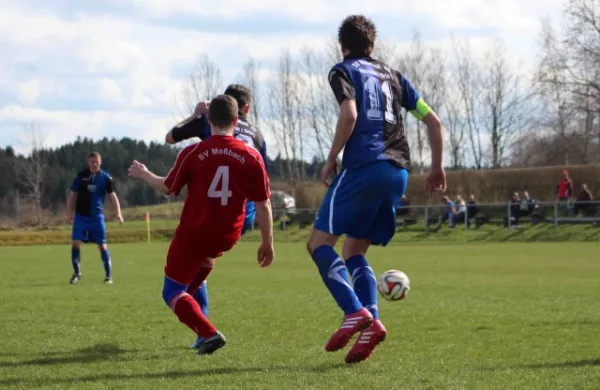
352	324
366	342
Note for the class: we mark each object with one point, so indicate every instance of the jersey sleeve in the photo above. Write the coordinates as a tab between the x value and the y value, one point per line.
75	184
412	100
262	146
263	153
199	127
110	185
259	184
178	176
341	85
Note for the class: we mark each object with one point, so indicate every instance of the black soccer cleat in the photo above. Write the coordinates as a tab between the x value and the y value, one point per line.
75	279
212	344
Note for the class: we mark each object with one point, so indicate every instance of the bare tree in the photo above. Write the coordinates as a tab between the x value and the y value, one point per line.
505	102
333	52
203	83
320	106
31	169
551	85
454	124
285	112
468	79
583	47
413	64
387	52
568	81
251	79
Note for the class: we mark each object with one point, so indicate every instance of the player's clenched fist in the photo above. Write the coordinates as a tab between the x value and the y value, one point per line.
266	254
201	108
137	169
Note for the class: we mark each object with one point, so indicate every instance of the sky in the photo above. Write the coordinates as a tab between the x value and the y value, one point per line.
114	68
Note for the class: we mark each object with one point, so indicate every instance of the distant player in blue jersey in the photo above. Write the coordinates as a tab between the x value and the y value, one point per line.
85	207
197	126
361	201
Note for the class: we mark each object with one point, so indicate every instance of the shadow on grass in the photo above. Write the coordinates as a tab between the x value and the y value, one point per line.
92	354
39	382
572	364
561	324
547	366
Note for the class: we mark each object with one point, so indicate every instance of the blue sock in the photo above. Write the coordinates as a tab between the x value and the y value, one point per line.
201	296
76	260
335	275
365	283
106	261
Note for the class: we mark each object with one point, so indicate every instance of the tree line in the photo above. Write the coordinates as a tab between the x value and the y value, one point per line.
495	113
41	181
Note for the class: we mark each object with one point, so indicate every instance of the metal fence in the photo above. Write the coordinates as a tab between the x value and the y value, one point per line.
510	215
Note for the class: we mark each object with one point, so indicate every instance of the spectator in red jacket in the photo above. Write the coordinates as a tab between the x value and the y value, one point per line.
564	189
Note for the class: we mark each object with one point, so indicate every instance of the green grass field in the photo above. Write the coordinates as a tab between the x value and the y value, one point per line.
479	316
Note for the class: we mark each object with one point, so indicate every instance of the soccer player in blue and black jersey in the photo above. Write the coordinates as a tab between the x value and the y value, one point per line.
197	126
360	202
85	207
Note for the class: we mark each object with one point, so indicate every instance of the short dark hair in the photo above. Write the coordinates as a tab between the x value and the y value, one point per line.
94	155
357	34
222	111
240	93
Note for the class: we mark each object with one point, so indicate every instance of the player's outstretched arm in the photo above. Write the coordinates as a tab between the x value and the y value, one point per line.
114	200
416	105
437	177
343	131
71	200
140	171
264	218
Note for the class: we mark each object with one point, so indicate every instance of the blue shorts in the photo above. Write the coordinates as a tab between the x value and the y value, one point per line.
250	217
89	229
361	202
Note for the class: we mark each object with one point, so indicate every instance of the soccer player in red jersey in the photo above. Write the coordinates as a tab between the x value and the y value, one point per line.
221	174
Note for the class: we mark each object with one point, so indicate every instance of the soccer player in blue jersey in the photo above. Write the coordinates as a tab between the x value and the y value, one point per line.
360	202
85	208
197	126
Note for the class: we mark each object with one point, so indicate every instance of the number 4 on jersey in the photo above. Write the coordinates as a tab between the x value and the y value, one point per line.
221	177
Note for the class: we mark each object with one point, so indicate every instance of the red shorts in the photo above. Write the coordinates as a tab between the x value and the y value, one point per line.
187	256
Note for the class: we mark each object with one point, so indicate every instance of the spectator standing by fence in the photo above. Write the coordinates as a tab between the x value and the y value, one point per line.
582	204
564	189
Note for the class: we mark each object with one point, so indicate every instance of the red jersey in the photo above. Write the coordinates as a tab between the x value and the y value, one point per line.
565	187
221	174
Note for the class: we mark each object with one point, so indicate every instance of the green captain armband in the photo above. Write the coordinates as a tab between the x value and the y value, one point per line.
421	110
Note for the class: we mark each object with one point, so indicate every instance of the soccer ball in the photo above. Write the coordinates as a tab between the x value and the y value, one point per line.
393	285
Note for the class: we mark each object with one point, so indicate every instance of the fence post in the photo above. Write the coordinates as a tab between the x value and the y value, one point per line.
148	230
17	206
426	219
509	216
283	221
555	215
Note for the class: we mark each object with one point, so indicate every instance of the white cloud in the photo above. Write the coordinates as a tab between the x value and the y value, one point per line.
512	16
59	127
28	91
120	75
